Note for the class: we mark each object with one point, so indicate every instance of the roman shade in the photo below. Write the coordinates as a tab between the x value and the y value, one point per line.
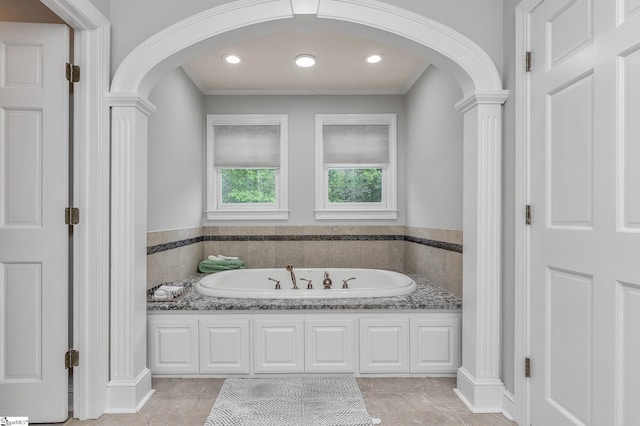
246	145
356	144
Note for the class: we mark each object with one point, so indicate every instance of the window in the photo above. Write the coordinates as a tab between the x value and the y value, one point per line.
246	167
356	166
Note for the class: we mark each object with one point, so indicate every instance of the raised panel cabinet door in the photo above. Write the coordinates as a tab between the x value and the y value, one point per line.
330	345
435	344
384	345
173	346
225	346
278	346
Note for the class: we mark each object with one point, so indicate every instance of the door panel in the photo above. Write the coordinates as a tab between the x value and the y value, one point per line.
630	141
34	173
628	371
585	239
568	331
22	154
569	151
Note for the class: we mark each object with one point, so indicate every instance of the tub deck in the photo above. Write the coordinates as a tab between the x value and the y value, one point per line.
428	296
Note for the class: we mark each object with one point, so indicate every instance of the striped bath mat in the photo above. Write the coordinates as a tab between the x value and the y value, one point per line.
295	401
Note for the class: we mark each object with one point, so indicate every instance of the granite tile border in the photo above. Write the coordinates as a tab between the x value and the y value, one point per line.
314	237
433	243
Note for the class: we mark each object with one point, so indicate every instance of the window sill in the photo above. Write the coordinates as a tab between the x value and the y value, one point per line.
335	214
247	214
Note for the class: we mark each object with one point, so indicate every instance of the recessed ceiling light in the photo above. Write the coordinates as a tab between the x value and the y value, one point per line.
305	61
232	59
375	58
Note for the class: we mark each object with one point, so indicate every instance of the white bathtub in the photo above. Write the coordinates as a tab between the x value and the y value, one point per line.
255	283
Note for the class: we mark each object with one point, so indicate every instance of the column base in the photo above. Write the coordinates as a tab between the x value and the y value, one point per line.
480	396
125	397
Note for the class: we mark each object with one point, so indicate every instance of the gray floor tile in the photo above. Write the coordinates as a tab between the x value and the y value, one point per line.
396	401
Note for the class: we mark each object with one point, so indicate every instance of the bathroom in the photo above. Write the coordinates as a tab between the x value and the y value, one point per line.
427	228
139	182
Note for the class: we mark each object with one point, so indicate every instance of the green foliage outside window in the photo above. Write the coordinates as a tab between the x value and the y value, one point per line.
355	185
248	185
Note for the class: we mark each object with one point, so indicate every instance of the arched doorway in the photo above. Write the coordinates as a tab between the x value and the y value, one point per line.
479	384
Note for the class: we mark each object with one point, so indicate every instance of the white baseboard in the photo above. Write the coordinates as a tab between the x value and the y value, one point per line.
128	397
508	405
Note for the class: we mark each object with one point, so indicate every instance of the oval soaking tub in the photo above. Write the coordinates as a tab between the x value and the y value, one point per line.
261	283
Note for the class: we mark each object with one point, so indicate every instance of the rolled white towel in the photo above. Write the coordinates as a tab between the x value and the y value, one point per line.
228	257
166	291
212	257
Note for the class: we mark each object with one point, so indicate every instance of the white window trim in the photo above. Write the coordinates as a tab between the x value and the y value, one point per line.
215	209
387	209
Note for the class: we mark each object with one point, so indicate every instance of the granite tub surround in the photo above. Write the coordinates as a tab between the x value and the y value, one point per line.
428	296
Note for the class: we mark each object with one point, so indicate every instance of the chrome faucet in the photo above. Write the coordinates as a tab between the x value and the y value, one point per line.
293	276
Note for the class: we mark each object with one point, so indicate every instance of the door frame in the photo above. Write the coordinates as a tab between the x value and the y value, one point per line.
522	100
91	195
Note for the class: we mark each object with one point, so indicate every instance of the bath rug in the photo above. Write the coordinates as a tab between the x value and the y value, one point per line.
290	401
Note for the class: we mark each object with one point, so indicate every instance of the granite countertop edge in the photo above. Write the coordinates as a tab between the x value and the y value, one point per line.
428	296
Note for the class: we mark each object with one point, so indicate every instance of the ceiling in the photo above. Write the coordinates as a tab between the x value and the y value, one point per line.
268	66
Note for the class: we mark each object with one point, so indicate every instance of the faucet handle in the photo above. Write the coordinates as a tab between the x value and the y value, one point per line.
309	285
277	283
344	282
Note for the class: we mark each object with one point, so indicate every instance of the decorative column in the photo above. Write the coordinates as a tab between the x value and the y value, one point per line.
479	384
130	380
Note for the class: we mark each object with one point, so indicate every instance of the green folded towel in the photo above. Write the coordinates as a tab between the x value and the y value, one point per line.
210	266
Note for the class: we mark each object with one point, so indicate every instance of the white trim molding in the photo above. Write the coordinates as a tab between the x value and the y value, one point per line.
477	70
91	195
479	384
522	198
140	69
473	69
130	381
508	405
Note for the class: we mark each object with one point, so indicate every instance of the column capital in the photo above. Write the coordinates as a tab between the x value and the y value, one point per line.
131	100
482	97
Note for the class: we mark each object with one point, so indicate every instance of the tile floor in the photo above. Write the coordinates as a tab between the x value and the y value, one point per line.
396	401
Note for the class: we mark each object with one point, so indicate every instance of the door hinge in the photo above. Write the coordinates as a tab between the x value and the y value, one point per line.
71	358
527	214
71	216
527	61
527	367
73	73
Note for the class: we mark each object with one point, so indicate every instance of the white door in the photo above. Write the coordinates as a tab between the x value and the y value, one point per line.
33	236
585	197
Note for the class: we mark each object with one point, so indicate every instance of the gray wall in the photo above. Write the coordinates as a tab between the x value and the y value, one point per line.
175	153
434	153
